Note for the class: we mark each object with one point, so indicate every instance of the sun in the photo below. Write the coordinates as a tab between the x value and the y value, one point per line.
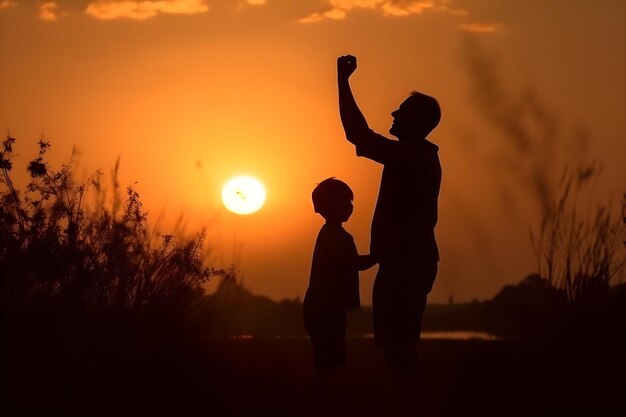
243	195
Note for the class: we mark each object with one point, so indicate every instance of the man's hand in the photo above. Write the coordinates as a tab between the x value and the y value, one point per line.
346	65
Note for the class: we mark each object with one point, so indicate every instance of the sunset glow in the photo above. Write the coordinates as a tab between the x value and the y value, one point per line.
189	93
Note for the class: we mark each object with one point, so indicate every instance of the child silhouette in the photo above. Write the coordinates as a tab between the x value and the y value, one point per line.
334	280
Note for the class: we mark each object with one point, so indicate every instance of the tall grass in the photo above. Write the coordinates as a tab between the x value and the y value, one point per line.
580	244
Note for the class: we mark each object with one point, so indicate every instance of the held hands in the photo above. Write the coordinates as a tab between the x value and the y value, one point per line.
346	65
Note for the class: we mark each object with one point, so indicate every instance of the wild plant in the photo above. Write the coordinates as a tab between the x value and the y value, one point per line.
53	245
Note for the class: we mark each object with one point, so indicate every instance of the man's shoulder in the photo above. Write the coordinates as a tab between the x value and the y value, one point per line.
422	150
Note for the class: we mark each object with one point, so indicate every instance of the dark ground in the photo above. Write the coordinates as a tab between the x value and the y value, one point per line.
462	378
88	375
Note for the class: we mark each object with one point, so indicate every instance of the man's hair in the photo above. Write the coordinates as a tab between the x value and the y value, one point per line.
428	108
329	191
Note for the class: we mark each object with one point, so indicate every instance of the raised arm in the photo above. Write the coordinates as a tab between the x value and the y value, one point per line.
354	123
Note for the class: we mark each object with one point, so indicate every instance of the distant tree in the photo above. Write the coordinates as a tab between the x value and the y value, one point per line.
526	311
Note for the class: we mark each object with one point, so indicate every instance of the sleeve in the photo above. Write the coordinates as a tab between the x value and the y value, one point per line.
386	151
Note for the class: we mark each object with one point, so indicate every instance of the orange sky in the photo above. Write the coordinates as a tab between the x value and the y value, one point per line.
190	93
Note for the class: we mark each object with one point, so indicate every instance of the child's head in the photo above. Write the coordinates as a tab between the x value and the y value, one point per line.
332	199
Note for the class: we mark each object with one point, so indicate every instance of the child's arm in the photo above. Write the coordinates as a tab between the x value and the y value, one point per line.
364	262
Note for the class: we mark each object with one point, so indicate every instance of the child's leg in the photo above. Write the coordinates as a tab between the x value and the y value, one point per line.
329	352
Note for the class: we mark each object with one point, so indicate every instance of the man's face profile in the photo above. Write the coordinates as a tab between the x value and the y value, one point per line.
405	120
416	117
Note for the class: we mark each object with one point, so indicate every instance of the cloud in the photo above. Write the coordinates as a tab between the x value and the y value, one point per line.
7	4
339	9
143	9
316	10
49	11
495	28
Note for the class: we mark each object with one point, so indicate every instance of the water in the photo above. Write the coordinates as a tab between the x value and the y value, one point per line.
449	335
459	335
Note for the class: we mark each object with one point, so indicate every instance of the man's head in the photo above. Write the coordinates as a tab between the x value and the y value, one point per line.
332	199
416	117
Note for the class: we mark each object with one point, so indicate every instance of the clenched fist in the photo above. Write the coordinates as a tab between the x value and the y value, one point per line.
346	65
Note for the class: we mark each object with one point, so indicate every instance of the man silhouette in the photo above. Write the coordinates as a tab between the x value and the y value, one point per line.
402	235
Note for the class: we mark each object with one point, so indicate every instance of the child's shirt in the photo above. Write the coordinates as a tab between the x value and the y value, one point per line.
334	279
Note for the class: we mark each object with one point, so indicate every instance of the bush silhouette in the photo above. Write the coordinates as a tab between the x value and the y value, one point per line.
54	246
98	310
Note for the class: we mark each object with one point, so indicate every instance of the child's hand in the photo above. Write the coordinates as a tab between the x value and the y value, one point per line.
366	262
346	65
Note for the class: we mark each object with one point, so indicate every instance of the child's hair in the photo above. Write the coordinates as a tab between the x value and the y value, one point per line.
327	193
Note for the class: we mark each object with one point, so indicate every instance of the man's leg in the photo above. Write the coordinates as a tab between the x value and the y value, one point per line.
404	365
